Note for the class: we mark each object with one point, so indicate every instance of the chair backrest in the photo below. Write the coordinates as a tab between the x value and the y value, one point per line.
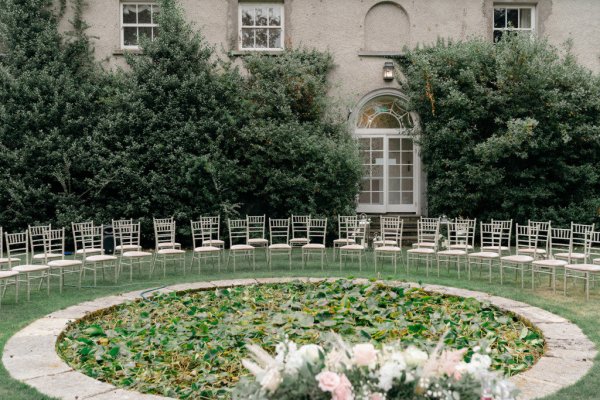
357	230
238	231
211	226
81	229
317	230
470	225
256	226
36	238
54	243
491	236
560	242
526	237
543	233
92	238
116	226
164	232
428	231
17	246
196	233
579	235
459	234
300	226
129	234
505	231
391	229
430	220
279	231
592	248
343	222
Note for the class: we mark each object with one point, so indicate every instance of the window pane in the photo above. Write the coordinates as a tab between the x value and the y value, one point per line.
407	157
394	171
144	14
261	38
497	36
247	16
247	38
275	16
377	157
407	198
365	185
500	18
377	144
129	14
394	144
377	198
364	198
407	144
145	31
512	18
377	171
130	36
275	38
407	185
261	16
377	185
154	32
394	158
394	184
525	18
394	197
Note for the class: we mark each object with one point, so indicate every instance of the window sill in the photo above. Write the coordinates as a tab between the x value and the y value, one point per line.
122	52
381	54
242	53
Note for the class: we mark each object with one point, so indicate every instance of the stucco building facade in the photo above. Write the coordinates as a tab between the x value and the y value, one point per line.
360	34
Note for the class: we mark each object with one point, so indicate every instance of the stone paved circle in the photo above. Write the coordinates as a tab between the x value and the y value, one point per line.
30	355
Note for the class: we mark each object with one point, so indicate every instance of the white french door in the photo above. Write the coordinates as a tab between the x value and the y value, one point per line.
390	165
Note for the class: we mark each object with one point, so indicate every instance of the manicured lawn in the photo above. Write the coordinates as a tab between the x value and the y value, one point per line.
585	314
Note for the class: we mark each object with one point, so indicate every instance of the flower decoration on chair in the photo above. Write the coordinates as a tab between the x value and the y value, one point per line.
363	372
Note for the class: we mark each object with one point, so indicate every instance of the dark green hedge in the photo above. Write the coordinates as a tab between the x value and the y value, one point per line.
509	130
178	132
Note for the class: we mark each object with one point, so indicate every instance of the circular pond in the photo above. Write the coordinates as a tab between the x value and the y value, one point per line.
190	345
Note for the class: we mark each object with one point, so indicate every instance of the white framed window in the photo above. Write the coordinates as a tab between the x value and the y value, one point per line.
137	20
513	18
260	26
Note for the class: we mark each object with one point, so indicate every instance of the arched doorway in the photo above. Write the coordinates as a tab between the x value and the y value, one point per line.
390	159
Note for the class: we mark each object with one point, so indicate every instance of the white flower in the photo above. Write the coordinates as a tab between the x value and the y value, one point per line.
271	380
364	354
310	352
415	357
480	363
387	373
253	367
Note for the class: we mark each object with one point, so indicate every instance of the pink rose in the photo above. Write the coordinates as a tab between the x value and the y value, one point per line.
328	381
364	354
344	390
376	396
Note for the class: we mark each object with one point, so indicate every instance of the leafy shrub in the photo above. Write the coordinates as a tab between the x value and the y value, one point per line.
509	130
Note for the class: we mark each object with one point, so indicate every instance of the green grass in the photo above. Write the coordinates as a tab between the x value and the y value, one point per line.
14	317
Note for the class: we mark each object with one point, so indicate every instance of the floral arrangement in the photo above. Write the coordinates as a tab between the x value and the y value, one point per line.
363	372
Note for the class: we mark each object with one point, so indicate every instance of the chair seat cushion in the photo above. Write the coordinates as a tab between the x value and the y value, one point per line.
421	251
313	246
385	242
206	249
64	263
581	267
213	242
484	254
353	247
257	241
493	248
30	268
280	246
452	252
8	274
100	257
388	249
460	246
91	250
344	240
242	247
128	247
7	260
577	256
136	254
168	244
517	259
299	240
42	256
550	263
170	251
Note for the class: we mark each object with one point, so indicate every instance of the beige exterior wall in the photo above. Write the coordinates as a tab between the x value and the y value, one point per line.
359	32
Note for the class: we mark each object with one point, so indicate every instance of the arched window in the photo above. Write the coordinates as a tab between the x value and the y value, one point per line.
384	112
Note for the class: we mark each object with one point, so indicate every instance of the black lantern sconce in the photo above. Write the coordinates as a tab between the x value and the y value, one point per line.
388	71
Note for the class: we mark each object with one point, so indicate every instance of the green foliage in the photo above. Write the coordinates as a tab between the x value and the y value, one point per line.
177	132
509	130
191	345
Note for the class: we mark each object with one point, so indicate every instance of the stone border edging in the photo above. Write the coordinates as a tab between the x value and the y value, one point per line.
30	355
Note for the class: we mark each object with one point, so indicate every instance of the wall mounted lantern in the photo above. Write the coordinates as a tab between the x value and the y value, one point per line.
388	71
